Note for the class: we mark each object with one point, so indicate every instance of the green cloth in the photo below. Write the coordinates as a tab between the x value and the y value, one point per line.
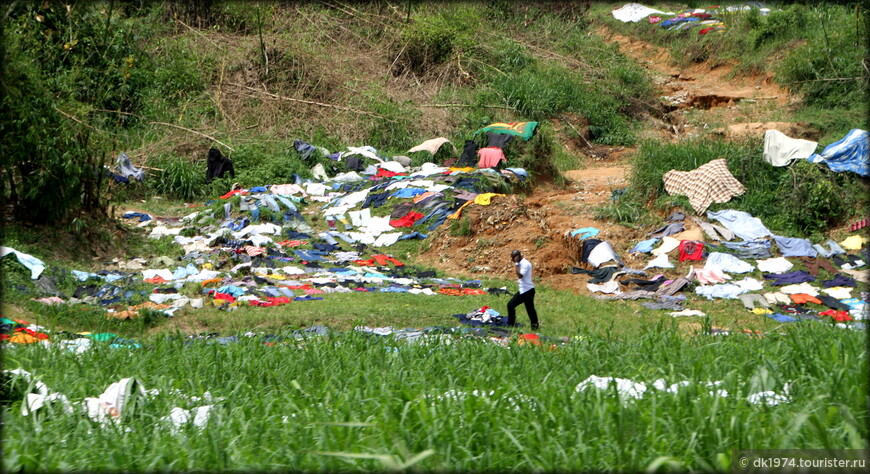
103	336
521	129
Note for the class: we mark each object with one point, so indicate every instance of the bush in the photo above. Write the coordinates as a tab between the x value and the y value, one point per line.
180	179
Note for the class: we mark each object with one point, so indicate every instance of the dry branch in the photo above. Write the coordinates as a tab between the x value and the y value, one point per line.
311	102
194	131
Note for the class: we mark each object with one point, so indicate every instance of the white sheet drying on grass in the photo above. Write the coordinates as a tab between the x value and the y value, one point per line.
634	12
110	406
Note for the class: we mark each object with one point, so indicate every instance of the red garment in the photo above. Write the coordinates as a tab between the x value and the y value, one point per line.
706	30
271	302
383	259
157	280
224	296
364	262
490	157
691	250
298	287
473	291
408	220
383	173
234	192
839	316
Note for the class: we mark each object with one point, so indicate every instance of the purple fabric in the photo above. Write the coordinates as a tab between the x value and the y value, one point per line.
839	280
789	278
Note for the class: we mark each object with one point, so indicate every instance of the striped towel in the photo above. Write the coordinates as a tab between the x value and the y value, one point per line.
253	251
709	183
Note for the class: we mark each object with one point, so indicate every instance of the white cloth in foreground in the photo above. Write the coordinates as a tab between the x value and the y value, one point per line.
780	149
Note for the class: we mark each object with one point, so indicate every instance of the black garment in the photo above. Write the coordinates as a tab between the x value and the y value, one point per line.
401	210
669	229
353	163
833	303
217	165
599	275
528	299
375	200
469	155
497	140
646	285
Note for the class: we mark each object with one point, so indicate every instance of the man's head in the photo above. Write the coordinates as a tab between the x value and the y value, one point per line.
516	256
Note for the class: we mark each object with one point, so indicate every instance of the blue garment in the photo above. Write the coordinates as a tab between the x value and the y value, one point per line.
142	216
645	246
729	263
782	318
233	290
413	235
82	276
327	238
310	255
725	290
257	189
342	236
184	272
270	201
523	174
585	232
290	206
35	265
741	223
835	249
756	249
794	247
849	154
408	192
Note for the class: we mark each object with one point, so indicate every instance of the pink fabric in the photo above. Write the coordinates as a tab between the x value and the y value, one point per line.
490	157
710	275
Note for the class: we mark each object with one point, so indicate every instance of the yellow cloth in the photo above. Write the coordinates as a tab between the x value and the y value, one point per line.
854	243
458	212
484	199
761	311
467	169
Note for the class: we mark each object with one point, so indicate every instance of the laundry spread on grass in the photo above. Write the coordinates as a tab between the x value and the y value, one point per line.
703	20
774	276
255	247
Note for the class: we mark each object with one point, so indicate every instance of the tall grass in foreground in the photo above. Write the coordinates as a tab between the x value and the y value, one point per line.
350	402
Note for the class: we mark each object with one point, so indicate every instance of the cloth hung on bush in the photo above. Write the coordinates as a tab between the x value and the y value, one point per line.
849	154
218	165
709	183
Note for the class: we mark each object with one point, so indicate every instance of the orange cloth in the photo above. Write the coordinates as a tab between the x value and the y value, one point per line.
801	298
213	281
467	169
158	280
458	212
22	338
423	196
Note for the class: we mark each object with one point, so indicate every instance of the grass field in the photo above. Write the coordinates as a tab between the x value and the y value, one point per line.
356	402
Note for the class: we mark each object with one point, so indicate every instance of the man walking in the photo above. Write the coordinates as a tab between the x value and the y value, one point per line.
526	293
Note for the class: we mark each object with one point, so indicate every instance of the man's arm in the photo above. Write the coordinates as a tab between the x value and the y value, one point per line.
517	268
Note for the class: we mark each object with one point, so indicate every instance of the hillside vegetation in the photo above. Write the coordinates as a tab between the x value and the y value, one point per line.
165	81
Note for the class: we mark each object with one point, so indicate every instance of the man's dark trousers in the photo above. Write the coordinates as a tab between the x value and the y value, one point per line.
527	298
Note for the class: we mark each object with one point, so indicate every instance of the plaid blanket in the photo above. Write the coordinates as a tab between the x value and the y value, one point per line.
709	183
